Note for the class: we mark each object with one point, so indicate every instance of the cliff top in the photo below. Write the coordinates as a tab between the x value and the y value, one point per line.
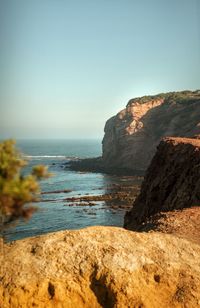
180	96
178	140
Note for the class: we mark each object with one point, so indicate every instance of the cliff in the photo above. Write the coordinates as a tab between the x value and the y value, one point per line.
172	182
100	267
132	135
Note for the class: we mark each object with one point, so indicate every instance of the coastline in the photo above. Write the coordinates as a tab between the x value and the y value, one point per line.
97	164
104	266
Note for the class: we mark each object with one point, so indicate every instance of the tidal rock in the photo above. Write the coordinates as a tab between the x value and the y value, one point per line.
100	267
172	181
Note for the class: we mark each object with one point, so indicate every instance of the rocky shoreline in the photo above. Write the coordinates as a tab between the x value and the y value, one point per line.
132	135
113	267
117	197
176	161
97	164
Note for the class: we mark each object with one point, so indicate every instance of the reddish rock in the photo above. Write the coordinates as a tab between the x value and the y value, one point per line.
131	137
183	223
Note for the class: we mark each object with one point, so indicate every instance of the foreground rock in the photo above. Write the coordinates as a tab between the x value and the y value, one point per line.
172	181
100	267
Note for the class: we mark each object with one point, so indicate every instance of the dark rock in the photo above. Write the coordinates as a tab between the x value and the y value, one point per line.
172	181
56	191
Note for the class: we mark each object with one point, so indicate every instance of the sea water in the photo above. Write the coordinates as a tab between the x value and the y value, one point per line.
53	213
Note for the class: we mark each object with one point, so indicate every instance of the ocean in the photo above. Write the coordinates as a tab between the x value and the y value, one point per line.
53	211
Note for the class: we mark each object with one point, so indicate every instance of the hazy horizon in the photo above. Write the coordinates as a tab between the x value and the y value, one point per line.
66	67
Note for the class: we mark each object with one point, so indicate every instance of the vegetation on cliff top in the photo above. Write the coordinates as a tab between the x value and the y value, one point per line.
170	96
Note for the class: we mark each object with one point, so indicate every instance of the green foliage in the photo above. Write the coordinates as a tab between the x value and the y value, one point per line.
178	97
16	190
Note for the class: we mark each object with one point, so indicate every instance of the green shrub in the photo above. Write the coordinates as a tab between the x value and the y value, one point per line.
17	191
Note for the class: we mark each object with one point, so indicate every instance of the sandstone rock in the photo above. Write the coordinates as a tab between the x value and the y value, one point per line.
100	267
184	223
172	181
132	135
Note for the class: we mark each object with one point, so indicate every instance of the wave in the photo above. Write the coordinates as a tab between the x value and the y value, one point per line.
44	156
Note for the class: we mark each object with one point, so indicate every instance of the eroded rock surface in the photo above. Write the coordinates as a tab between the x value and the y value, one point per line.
132	135
184	223
172	182
100	267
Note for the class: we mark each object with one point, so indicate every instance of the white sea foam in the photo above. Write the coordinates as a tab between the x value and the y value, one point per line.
50	156
45	156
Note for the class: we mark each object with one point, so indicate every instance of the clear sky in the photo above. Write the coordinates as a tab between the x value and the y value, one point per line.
67	66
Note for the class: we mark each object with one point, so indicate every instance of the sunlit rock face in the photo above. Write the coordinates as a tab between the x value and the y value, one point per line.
100	267
132	135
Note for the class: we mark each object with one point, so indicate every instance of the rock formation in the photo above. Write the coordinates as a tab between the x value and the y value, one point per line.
132	135
100	267
172	181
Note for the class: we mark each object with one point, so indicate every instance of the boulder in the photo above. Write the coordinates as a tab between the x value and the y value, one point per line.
100	267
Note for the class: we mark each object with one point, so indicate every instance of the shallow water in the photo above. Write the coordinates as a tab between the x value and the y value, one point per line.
56	214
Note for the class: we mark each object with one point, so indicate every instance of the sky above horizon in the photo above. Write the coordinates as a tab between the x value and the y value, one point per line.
68	66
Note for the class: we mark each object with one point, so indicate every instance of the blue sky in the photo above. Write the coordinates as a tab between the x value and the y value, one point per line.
67	66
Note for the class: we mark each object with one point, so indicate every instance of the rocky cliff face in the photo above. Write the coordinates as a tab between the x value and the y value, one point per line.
132	135
100	267
172	181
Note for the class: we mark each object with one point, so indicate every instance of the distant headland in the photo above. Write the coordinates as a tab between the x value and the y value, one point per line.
132	135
